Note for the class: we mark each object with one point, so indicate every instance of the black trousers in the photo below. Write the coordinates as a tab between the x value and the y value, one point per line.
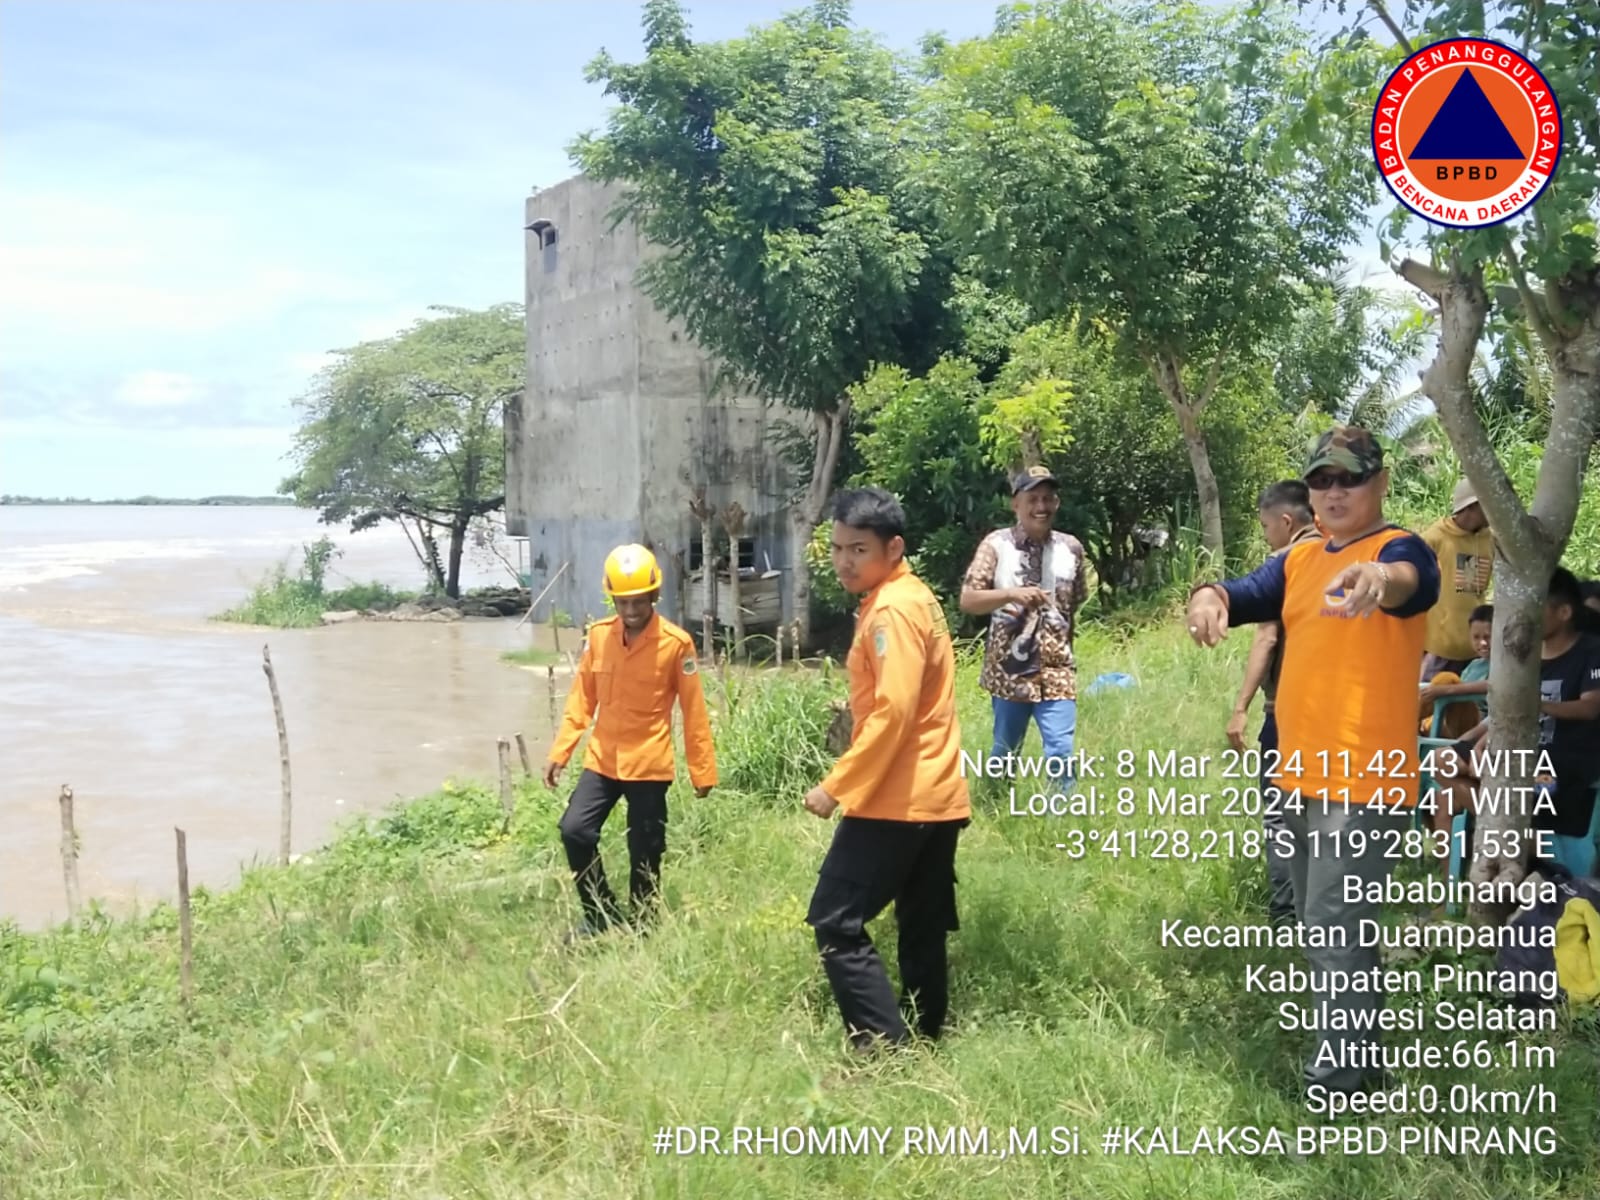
591	803
869	864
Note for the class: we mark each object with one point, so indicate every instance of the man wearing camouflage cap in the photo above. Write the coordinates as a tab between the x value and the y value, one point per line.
1354	610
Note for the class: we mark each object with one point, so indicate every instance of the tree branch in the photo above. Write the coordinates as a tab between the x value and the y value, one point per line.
403	508
1426	279
1574	420
830	440
1463	310
444	452
1538	319
1213	378
443	393
1399	36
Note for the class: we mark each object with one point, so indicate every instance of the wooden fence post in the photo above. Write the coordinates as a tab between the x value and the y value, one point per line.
185	924
285	816
733	519
522	752
69	852
507	801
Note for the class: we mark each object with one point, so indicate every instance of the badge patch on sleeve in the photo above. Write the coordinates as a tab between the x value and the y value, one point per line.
690	665
880	641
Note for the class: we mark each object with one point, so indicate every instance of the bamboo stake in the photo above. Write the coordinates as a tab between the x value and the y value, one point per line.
185	924
69	852
550	690
522	752
285	817
542	595
733	519
779	639
507	801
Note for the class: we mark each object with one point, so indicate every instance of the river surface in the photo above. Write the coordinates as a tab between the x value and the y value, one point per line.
113	680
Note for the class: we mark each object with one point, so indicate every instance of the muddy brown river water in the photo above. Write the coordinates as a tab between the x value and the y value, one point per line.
113	680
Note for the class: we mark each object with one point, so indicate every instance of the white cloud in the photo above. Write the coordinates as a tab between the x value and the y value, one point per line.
153	262
158	389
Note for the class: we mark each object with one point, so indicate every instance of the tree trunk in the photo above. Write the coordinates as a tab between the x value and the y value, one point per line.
806	514
1519	592
426	550
733	525
430	557
458	542
1528	542
700	507
1188	409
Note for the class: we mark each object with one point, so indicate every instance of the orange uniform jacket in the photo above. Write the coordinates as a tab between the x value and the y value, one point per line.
1347	695
634	687
904	761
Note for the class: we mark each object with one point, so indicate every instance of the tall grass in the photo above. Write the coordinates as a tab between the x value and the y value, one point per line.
283	601
398	1017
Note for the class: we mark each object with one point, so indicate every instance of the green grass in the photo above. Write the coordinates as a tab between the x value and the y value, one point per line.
533	656
282	602
397	1016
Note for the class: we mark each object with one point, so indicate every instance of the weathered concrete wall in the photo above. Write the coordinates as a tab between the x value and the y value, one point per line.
618	422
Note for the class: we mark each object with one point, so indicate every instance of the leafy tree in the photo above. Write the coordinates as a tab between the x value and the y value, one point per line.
1110	160
1124	464
411	429
921	438
771	171
1542	268
1346	353
1064	397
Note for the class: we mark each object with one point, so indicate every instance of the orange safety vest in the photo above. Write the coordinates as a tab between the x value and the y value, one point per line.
634	687
1347	693
904	760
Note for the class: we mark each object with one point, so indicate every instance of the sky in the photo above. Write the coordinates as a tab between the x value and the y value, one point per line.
200	200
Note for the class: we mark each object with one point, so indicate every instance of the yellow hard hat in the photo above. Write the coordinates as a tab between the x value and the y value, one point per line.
631	571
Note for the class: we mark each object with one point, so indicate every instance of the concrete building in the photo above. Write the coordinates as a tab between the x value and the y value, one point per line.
619	425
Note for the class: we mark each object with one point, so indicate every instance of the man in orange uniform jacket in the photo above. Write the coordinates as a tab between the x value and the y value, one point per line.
1354	613
898	787
634	666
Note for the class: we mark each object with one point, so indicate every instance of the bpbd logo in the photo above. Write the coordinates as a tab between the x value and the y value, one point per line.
1467	133
1333	604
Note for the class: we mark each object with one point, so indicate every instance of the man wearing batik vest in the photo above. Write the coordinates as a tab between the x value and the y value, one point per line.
1029	580
1354	611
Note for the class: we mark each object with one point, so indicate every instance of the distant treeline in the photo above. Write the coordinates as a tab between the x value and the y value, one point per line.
281	501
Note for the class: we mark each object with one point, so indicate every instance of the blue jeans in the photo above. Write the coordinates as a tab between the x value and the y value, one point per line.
1057	721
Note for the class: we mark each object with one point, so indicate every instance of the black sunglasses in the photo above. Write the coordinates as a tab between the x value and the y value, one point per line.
1324	480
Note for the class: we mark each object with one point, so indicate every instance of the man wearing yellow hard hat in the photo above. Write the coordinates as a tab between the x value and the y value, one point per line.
635	665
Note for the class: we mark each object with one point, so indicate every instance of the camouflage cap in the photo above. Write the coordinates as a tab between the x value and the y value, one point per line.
1348	448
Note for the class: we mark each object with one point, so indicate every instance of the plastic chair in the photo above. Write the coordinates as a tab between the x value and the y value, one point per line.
1578	855
1442	703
